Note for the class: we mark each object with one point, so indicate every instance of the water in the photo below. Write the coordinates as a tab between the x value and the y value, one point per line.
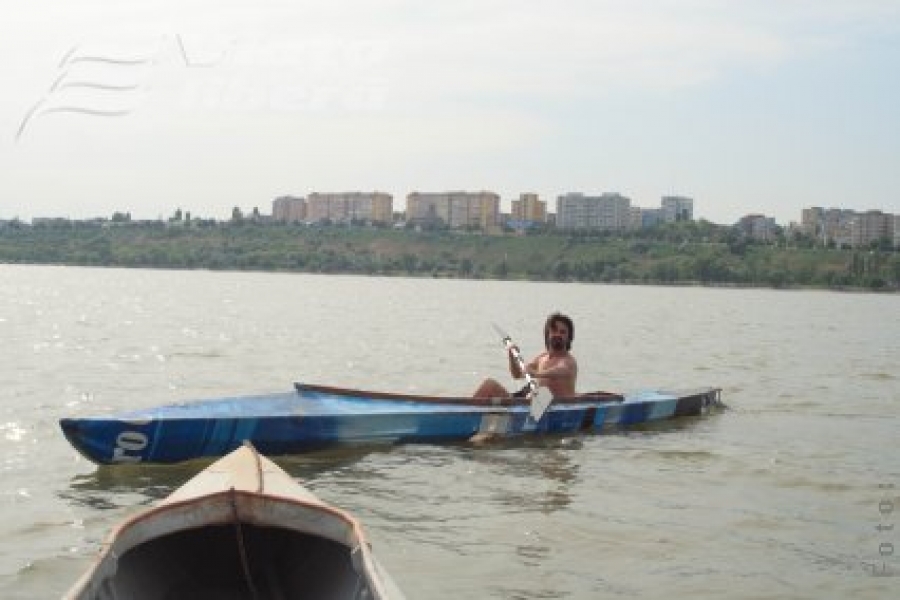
781	496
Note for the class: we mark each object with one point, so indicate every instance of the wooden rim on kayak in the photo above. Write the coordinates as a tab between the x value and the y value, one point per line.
463	400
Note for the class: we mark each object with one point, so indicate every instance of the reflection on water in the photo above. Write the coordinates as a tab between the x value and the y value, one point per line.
100	487
542	463
117	486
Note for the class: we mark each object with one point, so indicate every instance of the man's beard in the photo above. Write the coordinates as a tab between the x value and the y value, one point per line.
557	344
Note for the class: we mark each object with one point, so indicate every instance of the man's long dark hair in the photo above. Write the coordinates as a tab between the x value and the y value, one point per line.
558	318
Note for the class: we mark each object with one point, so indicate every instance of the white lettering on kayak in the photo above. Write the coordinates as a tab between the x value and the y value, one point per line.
129	441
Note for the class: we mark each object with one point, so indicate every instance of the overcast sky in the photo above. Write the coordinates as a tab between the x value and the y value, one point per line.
747	106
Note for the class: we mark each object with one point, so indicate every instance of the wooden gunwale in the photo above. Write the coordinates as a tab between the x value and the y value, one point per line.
459	400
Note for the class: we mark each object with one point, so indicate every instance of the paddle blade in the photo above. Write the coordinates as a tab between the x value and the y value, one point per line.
539	404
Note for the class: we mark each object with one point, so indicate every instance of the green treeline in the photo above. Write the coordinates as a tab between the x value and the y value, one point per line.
682	253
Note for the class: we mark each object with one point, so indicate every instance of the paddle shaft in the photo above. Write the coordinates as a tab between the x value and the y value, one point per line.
538	404
517	356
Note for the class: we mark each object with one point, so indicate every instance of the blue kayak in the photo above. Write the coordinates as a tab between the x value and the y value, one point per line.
313	417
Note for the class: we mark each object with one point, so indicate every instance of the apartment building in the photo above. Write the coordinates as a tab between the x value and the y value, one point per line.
826	224
647	217
610	211
812	222
848	228
453	209
896	231
343	207
837	225
677	208
870	226
289	209
529	208
758	227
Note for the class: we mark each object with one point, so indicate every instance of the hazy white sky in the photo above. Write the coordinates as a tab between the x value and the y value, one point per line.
762	106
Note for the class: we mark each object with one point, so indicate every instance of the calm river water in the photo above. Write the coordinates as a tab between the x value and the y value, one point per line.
793	493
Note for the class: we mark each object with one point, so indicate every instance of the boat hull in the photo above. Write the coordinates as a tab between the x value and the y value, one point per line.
313	417
242	528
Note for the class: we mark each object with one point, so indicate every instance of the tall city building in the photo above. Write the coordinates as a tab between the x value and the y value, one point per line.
453	209
609	211
677	208
375	207
759	227
837	226
646	217
870	226
529	208
812	222
289	209
844	227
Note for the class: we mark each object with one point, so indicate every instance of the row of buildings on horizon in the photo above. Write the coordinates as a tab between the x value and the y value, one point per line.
481	210
609	211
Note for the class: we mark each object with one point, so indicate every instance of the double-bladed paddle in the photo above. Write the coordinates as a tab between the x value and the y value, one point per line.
539	402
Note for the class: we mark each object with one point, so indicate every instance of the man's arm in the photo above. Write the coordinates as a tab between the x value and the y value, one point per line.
514	368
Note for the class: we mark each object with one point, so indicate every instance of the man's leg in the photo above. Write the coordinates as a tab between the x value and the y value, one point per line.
490	388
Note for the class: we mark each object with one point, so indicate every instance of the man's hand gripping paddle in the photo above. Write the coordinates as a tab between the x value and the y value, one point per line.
539	402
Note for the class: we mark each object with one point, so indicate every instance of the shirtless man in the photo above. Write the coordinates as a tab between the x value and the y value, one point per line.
555	369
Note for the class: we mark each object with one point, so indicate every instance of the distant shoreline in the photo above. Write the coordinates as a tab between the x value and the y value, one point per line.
686	254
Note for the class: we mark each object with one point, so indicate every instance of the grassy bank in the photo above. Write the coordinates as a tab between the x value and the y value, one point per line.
704	254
